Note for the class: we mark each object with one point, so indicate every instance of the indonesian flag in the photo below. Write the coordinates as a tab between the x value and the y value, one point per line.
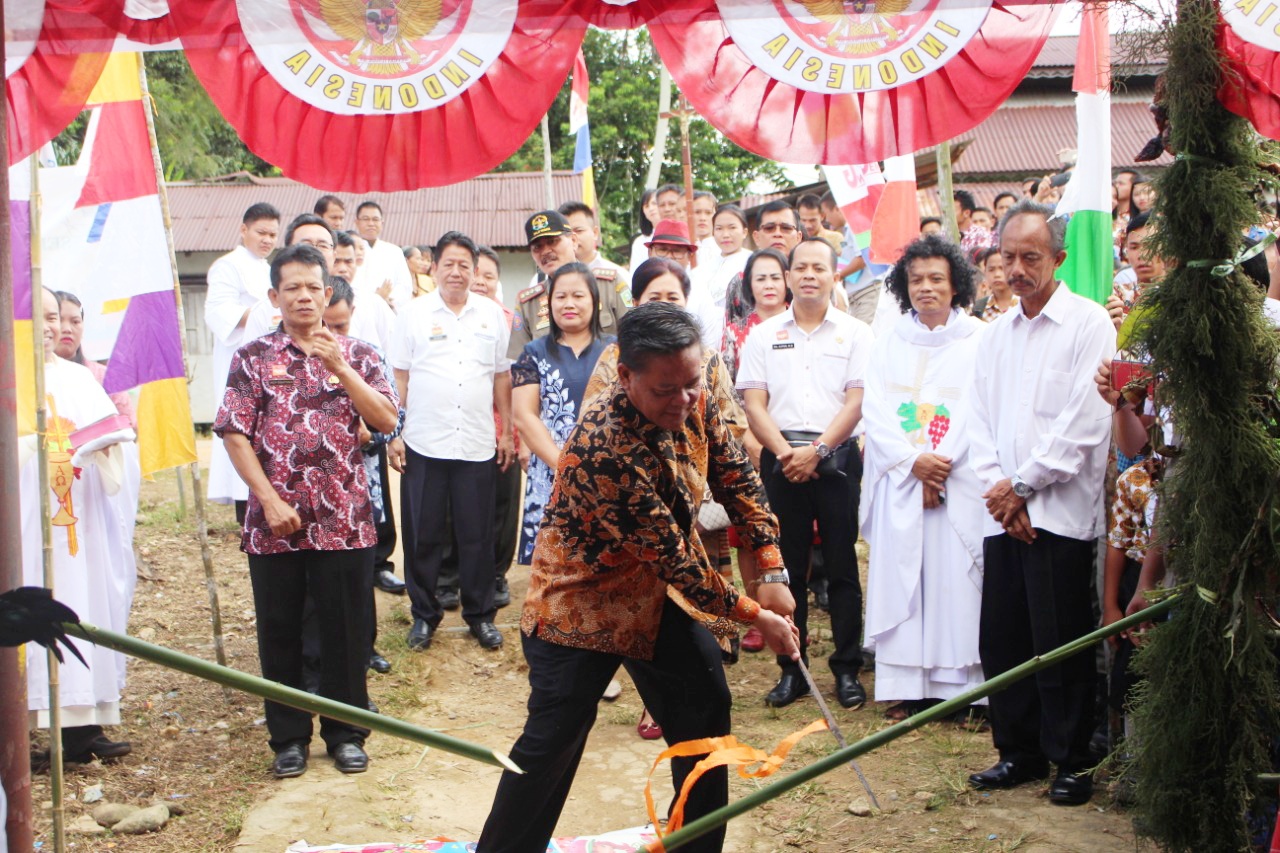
579	95
857	190
1087	199
897	219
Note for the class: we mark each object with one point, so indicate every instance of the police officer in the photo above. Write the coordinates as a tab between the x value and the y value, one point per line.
610	276
552	245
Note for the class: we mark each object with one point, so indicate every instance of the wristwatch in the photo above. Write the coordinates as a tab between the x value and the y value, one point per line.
821	448
780	576
1020	487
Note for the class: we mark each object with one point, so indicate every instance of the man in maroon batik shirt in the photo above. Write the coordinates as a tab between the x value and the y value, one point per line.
290	420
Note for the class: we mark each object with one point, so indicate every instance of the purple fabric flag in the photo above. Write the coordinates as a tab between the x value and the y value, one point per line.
153	318
20	246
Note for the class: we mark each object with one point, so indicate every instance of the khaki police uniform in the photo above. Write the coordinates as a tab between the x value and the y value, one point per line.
533	311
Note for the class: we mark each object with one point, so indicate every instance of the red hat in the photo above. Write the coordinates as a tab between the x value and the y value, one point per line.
672	232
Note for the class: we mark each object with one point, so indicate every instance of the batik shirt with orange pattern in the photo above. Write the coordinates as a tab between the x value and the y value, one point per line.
619	528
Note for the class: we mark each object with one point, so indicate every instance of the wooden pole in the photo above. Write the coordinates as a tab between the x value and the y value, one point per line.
202	524
945	191
548	186
15	762
46	527
686	164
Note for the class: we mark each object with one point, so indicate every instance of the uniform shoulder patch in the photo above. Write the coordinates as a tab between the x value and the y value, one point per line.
605	274
532	292
517	322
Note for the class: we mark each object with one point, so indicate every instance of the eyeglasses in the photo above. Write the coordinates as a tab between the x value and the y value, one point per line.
322	245
778	227
368	219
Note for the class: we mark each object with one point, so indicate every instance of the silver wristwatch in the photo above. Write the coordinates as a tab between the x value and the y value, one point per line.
1021	487
779	576
821	448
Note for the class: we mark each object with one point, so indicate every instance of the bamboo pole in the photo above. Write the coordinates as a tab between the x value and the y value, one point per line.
945	191
840	757
660	129
686	166
46	527
292	697
547	184
202	525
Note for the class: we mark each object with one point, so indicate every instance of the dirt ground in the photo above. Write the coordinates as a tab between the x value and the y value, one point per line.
195	746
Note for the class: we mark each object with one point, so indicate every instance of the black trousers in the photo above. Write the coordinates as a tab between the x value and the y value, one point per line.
684	689
508	506
435	492
337	582
387	527
1034	599
833	503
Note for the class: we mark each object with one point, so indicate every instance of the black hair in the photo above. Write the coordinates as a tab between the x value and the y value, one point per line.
966	200
571	207
982	255
748	295
325	202
306	219
369	203
1140	220
63	296
646	227
298	253
925	220
655	329
1256	267
985	210
809	200
656	268
487	252
409	250
258	211
669	188
996	202
593	287
774	207
1057	225
835	256
344	239
705	194
732	210
462	241
963	275
342	291
827	199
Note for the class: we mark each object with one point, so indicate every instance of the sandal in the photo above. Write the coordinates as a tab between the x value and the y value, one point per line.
908	708
648	728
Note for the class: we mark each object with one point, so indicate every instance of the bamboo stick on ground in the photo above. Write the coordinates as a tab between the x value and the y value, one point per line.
286	695
840	757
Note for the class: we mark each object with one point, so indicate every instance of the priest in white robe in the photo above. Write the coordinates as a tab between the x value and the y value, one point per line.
238	281
922	510
90	481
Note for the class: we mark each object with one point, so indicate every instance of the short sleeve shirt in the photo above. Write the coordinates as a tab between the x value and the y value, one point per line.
304	431
806	373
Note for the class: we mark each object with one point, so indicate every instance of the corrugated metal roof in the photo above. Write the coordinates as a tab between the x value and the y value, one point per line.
491	209
1058	58
1025	141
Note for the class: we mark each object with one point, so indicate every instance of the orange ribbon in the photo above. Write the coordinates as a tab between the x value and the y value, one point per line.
720	752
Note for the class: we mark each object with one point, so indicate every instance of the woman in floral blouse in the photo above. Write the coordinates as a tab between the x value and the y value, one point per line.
549	380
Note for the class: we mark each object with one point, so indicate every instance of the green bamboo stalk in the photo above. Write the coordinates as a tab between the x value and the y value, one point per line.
286	695
841	757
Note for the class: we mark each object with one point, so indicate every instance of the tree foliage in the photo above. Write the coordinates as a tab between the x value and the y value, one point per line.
624	113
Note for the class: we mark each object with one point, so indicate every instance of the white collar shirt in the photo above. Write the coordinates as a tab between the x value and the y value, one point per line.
1037	414
385	262
806	373
452	360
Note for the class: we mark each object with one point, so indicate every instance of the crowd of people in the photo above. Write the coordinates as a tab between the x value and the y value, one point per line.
750	391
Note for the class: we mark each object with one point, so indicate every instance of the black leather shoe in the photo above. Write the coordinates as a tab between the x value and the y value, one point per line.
378	663
388	582
849	691
821	598
350	758
790	687
501	593
419	639
448	599
1006	774
290	761
487	634
1071	789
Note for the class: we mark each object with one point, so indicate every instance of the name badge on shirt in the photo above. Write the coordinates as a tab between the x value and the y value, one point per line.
280	375
437	334
784	346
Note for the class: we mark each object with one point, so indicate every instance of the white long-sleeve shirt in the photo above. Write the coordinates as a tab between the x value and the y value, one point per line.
1037	413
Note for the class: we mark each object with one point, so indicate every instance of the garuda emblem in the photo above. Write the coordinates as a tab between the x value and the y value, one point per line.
858	27
385	32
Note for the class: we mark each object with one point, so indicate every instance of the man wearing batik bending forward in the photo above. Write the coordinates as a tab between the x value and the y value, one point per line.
619	529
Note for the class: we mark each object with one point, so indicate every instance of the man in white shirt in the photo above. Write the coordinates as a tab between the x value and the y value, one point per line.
237	282
802	375
452	371
586	231
384	270
1039	448
331	209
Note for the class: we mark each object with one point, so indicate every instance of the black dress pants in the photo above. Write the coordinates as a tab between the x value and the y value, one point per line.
832	501
387	527
437	490
337	582
508	506
684	689
1034	599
